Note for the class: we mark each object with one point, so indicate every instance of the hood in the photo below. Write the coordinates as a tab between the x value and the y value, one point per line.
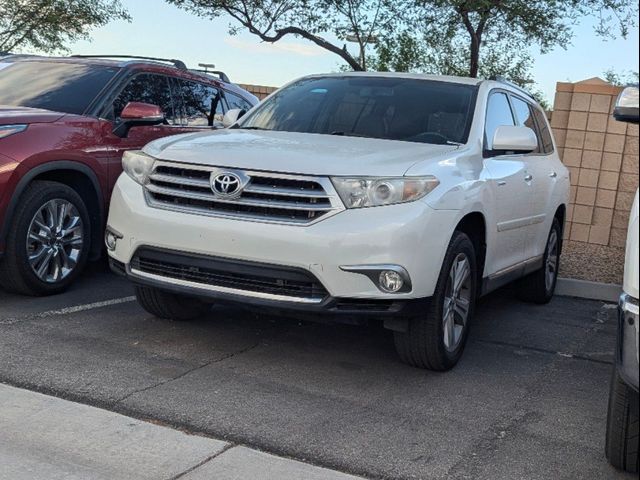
630	284
12	115
297	153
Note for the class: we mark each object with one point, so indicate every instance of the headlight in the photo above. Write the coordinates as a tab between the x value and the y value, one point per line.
374	192
6	130
138	165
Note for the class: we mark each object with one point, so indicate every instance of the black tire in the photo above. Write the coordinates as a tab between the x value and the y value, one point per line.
422	345
16	273
534	287
170	306
621	447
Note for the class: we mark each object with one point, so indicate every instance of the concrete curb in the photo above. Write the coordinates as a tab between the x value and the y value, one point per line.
48	438
606	292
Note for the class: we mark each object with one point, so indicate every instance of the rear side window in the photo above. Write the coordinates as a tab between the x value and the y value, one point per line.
202	104
498	114
524	112
147	88
236	101
545	132
58	86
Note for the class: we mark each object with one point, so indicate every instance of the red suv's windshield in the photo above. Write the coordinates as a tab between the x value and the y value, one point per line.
57	86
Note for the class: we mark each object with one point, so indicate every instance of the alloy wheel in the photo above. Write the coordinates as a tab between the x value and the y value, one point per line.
457	302
551	264
55	240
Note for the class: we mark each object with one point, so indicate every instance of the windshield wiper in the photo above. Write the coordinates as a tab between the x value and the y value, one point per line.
457	144
254	128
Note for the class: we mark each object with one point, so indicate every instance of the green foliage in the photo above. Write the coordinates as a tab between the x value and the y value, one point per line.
621	78
48	25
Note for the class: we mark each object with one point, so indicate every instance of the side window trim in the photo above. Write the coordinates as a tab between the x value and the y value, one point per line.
485	148
537	130
540	112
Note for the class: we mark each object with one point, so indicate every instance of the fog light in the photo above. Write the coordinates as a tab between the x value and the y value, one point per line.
390	281
111	239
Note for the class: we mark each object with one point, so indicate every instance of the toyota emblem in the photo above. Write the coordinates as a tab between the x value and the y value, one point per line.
226	184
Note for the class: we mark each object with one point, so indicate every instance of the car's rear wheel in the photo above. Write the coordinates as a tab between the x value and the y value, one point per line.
436	339
48	242
621	445
169	305
540	286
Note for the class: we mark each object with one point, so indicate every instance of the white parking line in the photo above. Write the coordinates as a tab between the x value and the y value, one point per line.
67	310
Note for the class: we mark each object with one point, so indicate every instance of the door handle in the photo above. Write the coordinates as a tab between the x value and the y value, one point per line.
528	177
502	183
553	174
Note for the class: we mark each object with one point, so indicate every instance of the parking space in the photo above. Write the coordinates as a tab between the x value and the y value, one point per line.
528	399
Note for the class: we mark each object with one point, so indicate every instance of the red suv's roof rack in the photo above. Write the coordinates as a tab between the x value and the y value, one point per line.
176	63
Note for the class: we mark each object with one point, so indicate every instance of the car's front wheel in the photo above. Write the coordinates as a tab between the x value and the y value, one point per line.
48	242
169	305
436	339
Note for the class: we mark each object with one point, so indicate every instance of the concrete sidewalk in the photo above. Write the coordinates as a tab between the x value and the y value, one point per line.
43	437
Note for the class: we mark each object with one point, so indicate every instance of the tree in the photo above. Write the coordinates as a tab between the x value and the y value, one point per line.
621	79
48	25
271	20
517	24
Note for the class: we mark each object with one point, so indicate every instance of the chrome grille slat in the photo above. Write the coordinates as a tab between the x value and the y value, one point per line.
241	201
194	182
267	197
284	192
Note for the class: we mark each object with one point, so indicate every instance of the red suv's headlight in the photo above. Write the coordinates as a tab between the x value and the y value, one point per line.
6	130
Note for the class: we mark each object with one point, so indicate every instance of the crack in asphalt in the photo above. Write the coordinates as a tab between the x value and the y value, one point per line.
187	372
546	351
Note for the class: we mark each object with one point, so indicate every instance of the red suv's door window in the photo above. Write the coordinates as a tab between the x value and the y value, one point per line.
148	88
202	104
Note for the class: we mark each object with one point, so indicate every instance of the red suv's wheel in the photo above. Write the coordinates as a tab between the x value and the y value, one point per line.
48	240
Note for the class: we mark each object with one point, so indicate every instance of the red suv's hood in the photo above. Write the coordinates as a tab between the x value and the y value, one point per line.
10	115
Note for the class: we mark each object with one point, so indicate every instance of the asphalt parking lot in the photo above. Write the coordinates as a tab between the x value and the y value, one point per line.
528	399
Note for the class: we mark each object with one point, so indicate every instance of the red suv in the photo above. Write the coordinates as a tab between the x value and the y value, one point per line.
64	125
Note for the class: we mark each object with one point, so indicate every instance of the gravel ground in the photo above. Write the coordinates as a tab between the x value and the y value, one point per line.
595	263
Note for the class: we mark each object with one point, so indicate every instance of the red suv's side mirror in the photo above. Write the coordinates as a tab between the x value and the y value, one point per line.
138	114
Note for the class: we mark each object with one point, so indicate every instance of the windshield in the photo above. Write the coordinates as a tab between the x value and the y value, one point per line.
57	86
375	107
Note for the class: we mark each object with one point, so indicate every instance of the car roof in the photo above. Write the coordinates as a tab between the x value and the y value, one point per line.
411	76
157	66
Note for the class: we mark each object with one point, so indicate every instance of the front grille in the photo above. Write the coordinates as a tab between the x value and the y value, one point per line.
230	274
267	197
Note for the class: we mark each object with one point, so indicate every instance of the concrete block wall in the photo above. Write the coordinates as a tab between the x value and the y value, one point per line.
602	155
259	91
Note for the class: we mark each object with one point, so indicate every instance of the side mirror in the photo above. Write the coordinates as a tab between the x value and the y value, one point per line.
232	116
514	139
626	109
136	114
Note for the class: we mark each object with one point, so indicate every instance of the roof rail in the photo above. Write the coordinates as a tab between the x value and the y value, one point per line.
501	79
209	68
221	75
176	63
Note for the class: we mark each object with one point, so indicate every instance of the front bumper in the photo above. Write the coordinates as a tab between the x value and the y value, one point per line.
627	344
410	235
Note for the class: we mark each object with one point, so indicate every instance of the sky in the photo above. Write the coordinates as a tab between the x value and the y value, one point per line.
162	30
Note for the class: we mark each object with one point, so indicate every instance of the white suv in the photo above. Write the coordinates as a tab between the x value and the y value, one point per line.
364	196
